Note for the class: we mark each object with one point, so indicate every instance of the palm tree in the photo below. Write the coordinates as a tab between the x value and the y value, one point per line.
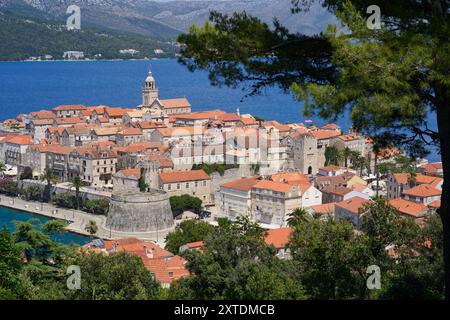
48	176
332	156
360	163
346	154
297	216
91	227
77	183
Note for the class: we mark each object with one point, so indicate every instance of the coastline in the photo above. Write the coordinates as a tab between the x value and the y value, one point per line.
79	220
88	60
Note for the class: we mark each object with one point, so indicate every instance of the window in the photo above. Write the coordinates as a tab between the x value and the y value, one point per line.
187	185
169	186
178	186
204	183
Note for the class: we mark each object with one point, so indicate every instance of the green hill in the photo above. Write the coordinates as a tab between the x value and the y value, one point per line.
21	38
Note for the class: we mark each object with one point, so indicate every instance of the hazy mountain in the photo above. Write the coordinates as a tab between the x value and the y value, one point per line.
166	18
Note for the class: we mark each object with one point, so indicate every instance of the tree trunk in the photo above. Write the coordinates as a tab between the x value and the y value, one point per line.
377	172
443	120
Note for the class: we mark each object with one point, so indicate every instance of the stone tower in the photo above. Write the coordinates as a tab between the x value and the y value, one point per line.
306	154
150	92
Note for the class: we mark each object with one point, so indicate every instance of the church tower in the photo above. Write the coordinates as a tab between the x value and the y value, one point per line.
150	92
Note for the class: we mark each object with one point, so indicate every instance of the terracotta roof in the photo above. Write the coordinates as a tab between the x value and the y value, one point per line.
140	147
106	131
279	238
229	117
431	180
21	139
42	122
43	114
289	177
331	126
349	137
163	162
341	191
117	112
244	184
331	168
202	115
408	207
432	168
130	172
353	204
150	125
194	245
70	120
130	132
274	186
183	176
175	103
248	121
324	134
423	191
326	208
181	131
165	266
401	178
77	107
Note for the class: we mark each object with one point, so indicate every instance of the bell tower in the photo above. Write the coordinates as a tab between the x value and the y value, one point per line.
150	92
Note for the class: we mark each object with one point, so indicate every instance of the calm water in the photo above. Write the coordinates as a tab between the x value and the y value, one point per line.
29	86
8	215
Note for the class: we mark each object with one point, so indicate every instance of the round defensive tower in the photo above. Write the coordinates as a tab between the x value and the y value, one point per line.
132	211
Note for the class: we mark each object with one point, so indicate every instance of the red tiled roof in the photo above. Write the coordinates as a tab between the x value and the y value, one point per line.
130	132
408	207
326	208
175	103
69	107
274	186
43	114
131	172
353	204
244	184
21	139
183	176
423	191
324	134
117	112
279	238
331	168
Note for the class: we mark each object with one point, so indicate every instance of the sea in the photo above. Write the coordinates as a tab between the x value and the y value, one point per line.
9	216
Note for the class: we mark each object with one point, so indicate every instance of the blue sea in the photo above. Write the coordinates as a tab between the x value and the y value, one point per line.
7	216
30	86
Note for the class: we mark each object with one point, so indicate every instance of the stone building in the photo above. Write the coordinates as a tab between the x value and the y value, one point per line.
193	182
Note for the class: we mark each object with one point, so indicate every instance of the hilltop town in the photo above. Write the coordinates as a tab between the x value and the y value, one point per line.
235	164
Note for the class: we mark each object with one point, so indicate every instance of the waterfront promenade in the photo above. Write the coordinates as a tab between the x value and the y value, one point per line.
78	220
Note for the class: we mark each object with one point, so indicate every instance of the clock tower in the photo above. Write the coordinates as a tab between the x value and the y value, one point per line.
150	92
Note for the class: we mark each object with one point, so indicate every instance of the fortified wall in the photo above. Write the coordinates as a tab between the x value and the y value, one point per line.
132	211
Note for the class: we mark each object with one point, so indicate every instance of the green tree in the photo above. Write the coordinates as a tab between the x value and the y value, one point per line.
50	178
65	200
33	192
11	283
332	156
185	202
91	227
118	276
297	216
26	174
187	231
391	81
2	167
96	206
77	183
331	259
237	264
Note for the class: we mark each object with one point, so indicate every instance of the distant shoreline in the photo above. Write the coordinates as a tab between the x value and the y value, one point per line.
84	60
